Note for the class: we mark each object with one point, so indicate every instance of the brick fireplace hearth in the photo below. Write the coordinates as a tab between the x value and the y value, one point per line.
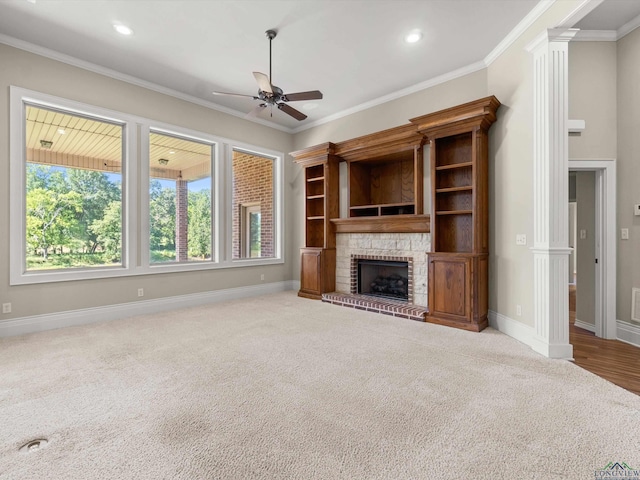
405	247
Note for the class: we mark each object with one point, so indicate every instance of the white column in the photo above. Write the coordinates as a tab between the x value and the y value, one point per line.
551	193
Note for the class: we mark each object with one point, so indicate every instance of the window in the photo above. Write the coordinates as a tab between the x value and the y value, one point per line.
253	206
80	210
251	231
180	214
73	212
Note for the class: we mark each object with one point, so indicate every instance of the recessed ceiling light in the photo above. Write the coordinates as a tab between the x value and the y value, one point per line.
61	131
171	152
413	36
122	29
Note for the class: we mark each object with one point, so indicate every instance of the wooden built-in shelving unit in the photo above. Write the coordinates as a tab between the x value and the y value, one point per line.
318	257
459	257
385	176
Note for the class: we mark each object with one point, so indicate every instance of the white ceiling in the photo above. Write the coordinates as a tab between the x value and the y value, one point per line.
351	50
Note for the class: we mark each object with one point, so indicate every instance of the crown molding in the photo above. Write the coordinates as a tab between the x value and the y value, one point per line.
578	13
107	72
596	36
461	72
518	30
628	27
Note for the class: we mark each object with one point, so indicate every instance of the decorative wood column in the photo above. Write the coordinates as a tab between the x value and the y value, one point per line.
551	192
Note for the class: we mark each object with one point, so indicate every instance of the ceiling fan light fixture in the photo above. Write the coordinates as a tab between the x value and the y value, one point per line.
413	36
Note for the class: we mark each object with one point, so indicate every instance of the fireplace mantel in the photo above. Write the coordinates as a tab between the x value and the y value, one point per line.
389	224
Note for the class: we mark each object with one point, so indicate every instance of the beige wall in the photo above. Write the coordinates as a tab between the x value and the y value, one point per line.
592	98
510	79
628	101
586	247
37	73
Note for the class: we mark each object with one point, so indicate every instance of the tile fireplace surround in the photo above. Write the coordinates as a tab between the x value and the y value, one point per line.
411	246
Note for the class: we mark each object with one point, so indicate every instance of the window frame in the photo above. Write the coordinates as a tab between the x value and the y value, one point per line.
19	99
245	227
145	231
278	208
135	195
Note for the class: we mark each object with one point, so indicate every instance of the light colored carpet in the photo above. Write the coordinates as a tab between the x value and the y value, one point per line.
280	387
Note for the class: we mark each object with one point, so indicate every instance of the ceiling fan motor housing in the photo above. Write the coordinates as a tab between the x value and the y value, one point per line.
271	99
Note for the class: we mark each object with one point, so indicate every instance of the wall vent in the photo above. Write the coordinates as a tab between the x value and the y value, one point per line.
635	304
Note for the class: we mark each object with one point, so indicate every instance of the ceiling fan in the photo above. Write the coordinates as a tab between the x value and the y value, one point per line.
270	95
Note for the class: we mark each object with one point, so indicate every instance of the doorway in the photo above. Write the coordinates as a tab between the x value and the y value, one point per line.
595	243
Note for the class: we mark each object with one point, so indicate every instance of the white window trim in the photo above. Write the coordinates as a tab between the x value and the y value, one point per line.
164	129
135	254
17	196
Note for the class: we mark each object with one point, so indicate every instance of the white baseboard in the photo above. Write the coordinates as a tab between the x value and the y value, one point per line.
585	326
527	335
628	333
517	330
50	321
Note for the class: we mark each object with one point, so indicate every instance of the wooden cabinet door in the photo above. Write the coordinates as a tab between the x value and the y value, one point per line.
450	287
317	272
310	271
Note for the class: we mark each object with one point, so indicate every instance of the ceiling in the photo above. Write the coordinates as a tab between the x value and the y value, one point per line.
351	50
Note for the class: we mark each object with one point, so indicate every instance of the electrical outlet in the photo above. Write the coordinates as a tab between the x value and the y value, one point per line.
521	239
262	277
519	310
636	210
6	308
624	234
141	292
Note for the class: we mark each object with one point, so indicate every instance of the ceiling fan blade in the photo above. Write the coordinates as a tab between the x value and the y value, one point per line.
294	97
256	111
235	95
291	111
263	82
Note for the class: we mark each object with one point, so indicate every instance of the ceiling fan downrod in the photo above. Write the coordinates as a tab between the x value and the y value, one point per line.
271	34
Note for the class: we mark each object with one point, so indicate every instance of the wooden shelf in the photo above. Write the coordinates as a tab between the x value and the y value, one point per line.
468	188
314	197
454	165
316	218
454	212
315	179
388	224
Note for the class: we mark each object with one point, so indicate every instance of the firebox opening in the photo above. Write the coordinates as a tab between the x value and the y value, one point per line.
383	278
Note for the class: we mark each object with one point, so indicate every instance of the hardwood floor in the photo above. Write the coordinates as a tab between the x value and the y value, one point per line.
612	360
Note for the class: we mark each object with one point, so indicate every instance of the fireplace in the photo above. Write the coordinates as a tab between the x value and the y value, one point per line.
383	278
408	249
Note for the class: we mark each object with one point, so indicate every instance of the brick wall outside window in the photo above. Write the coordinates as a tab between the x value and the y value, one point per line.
253	183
